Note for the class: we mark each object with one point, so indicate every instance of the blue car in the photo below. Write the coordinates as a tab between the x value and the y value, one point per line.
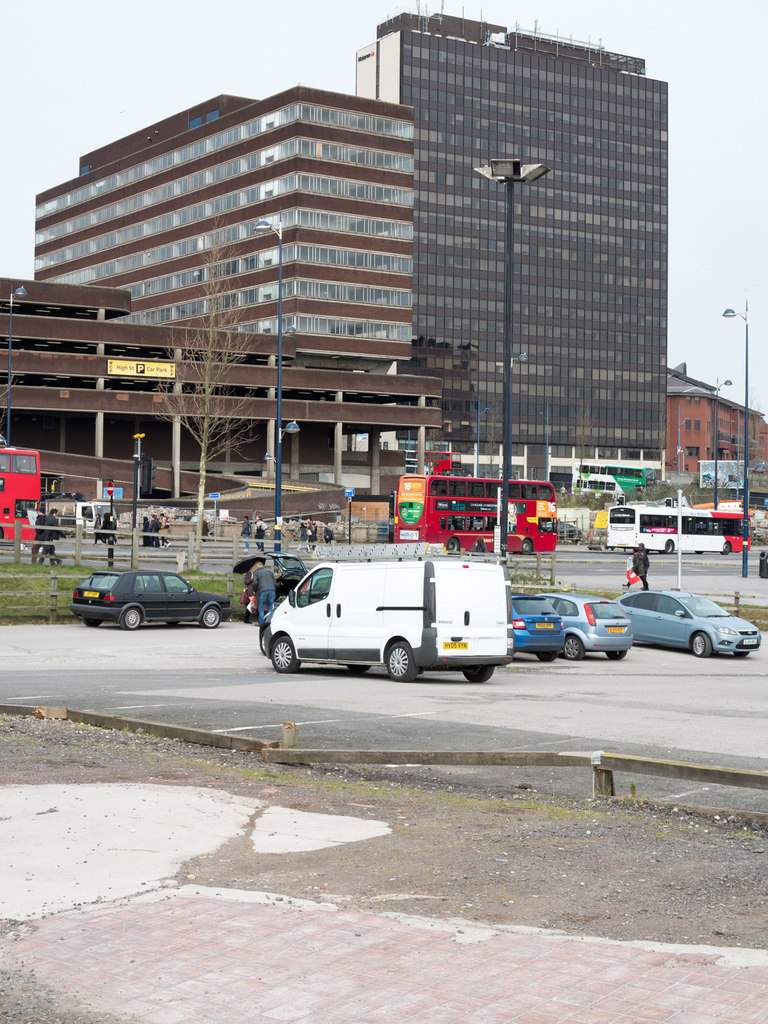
671	618
537	627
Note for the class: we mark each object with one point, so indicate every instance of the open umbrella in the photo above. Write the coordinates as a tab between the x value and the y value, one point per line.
242	565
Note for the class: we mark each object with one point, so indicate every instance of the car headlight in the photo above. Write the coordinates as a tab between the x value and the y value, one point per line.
726	629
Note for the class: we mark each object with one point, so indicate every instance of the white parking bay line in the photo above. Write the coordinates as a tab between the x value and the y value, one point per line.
137	707
323	721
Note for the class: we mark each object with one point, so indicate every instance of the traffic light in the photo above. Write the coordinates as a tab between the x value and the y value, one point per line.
147	474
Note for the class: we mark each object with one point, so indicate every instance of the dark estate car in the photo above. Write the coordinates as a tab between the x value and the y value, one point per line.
137	596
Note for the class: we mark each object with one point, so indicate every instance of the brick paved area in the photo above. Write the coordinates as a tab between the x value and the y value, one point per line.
208	957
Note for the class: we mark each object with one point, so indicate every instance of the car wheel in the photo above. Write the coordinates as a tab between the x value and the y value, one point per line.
480	674
211	617
701	645
401	666
669	547
130	619
615	655
727	549
741	654
574	648
526	548
358	670
283	655
546	655
453	545
92	622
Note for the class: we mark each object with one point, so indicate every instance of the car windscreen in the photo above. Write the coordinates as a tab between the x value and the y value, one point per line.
532	606
607	610
702	606
101	581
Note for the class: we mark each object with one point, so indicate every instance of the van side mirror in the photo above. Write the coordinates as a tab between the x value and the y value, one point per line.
292	598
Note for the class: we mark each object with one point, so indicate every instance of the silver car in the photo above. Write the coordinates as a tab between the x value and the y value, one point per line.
672	618
592	624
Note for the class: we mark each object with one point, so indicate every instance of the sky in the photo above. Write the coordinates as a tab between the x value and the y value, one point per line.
80	75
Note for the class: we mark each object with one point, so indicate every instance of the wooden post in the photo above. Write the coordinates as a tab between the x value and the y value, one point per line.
290	735
54	595
736	601
602	782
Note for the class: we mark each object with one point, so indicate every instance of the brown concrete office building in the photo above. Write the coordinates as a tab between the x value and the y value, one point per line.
185	216
589	239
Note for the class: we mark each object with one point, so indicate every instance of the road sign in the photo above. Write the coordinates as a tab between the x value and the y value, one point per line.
110	489
214	495
349	492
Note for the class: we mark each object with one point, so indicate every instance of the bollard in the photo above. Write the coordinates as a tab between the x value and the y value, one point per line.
290	735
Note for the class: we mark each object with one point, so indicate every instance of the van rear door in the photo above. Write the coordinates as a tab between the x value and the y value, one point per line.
471	610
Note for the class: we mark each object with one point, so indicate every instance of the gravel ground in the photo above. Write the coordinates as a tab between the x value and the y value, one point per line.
616	869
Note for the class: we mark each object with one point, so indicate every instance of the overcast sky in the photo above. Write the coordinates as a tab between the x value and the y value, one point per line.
79	75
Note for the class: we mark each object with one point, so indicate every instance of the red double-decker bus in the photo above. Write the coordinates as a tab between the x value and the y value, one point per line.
456	510
19	490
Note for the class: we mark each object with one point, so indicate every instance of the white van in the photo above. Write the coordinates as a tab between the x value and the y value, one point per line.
407	616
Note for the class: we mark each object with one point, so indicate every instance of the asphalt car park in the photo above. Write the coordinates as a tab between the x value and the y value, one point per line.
671	618
135	597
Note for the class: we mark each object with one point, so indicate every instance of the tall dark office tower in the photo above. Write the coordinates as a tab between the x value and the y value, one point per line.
589	240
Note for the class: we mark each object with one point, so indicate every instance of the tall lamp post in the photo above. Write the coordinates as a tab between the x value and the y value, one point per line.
507	173
290	428
719	384
745	503
21	292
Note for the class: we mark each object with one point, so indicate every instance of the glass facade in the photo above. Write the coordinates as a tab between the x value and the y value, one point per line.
589	239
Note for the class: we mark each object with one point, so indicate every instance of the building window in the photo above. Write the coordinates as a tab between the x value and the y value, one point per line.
195	122
686	424
697	425
85	168
211	116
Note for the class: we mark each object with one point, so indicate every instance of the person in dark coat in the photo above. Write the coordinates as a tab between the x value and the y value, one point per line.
642	572
146	540
40	535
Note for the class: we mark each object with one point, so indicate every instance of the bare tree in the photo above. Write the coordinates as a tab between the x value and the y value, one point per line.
204	397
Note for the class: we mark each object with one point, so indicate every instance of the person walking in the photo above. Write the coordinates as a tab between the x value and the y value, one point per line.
328	534
644	565
304	535
265	586
108	527
634	565
146	527
52	535
41	535
479	547
259	532
250	595
245	532
311	536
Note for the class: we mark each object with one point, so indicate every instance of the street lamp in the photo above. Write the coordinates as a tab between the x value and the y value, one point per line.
719	384
265	225
507	172
745	503
477	436
21	292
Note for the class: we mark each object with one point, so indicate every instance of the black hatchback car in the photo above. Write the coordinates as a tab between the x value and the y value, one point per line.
136	596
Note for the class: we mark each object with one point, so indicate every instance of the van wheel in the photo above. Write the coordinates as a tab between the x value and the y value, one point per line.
701	645
283	655
453	545
573	649
358	670
526	548
401	666
130	619
480	674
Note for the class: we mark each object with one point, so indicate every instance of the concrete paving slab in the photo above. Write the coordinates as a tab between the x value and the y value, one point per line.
65	846
283	830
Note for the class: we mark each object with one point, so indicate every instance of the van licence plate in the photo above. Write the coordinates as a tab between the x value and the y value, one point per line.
455	645
615	629
545	625
90	593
